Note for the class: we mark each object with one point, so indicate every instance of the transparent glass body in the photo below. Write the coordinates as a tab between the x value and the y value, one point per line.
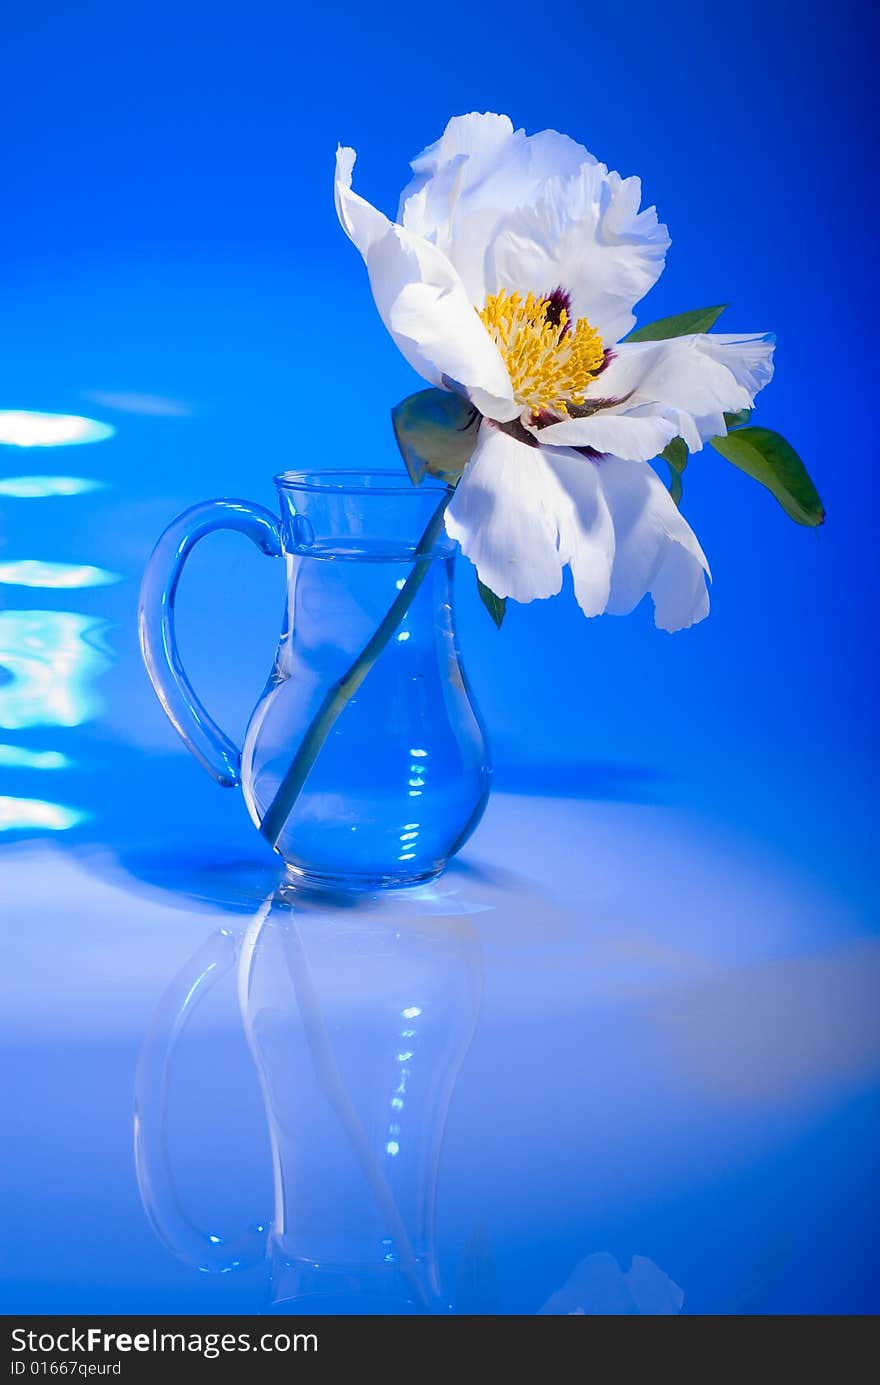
365	760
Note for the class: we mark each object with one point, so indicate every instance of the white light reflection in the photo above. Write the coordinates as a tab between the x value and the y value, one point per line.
19	757
403	637
18	813
31	572
409	835
52	658
397	1103
37	487
24	428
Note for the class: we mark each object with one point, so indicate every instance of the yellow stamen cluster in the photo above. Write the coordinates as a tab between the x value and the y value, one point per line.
550	367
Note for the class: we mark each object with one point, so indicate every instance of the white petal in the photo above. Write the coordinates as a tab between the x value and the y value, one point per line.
586	235
688	428
689	380
623	537
656	550
479	137
748	358
637	437
586	528
423	304
468	182
679	591
428	200
504	515
522	513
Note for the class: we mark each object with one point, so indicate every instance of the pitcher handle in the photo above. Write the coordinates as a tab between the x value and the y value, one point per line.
199	732
155	1178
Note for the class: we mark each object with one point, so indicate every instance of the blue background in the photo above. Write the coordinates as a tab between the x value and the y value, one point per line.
168	231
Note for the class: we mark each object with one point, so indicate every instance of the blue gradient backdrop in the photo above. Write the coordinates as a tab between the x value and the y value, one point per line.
168	230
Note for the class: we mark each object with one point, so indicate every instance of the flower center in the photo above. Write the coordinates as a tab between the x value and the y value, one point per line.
551	362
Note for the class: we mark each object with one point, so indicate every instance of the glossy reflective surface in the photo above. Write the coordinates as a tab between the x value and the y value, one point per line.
672	1087
357	1022
622	1057
595	1063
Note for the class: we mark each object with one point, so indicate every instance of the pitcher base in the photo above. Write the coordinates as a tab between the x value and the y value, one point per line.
321	883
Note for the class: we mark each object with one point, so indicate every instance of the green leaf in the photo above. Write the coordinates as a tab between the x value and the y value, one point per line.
676	455
739	419
495	605
699	320
436	432
768	458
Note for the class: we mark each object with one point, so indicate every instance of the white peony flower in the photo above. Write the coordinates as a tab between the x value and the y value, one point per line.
509	278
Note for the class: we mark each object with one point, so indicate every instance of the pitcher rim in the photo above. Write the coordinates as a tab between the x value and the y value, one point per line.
356	481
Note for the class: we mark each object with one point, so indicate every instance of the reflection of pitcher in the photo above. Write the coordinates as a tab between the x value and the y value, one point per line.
358	1027
365	761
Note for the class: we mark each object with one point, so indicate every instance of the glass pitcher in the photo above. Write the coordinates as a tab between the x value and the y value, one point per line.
365	761
358	1021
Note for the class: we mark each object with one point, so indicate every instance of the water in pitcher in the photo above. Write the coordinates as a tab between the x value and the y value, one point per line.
402	777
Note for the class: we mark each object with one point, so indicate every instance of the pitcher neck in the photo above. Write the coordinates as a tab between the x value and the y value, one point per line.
376	516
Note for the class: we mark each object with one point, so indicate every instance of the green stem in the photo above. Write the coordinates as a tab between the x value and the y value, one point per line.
341	692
